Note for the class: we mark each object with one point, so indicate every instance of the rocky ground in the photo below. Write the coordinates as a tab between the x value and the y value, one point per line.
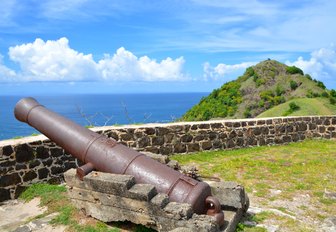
288	211
18	216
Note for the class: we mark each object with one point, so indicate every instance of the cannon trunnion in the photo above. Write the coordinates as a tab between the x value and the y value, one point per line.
104	154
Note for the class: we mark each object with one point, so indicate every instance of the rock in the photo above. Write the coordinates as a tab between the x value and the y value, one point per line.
329	195
164	159
269	228
230	194
329	224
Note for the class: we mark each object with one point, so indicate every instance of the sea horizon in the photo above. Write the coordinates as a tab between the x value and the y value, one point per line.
100	109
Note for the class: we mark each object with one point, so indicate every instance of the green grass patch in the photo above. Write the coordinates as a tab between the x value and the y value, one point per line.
307	167
307	106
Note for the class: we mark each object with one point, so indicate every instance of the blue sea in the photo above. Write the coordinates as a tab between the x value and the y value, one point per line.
101	109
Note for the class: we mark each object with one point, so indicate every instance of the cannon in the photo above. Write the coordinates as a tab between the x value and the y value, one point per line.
101	153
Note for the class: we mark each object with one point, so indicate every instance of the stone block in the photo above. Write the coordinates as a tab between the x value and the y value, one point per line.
108	183
158	140
10	179
42	153
111	200
143	192
34	164
160	131
7	150
180	148
125	137
206	145
157	213
29	176
19	167
204	126
193	147
23	153
199	137
48	162
186	138
143	142
107	213
166	150
230	194
158	157
4	194
56	152
168	138
160	200
178	211
216	125
43	173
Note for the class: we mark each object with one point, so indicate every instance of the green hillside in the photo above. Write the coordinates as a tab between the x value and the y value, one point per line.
261	88
307	106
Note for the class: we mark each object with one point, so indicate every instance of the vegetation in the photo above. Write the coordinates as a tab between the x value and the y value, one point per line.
294	70
299	169
262	87
293	85
292	108
221	102
308	106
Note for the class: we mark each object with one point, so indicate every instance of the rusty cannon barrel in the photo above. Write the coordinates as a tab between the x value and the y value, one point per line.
104	154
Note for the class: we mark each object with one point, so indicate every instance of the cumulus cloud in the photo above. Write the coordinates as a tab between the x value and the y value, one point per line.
225	70
55	60
321	64
126	66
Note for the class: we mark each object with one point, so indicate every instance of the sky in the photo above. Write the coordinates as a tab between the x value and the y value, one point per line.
143	46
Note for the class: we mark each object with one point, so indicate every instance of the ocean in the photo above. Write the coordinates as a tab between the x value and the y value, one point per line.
101	109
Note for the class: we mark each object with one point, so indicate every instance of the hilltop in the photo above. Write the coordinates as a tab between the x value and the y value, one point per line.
261	88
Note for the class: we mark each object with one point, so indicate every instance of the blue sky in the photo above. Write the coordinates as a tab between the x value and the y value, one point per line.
126	46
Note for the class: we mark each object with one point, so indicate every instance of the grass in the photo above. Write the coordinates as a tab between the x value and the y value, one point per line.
297	169
308	106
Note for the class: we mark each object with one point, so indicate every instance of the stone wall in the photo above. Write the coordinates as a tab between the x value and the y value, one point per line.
35	159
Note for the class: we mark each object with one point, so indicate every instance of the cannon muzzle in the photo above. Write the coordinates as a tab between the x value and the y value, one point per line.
104	154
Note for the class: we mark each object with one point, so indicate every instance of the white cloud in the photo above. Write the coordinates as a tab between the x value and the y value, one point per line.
56	61
126	66
321	64
227	71
53	61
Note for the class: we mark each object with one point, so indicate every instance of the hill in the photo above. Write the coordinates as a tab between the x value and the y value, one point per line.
260	88
307	106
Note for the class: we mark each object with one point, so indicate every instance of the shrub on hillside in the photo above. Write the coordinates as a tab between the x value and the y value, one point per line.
292	108
279	90
247	113
311	94
249	71
332	100
293	85
321	85
294	70
325	94
308	76
260	82
333	93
